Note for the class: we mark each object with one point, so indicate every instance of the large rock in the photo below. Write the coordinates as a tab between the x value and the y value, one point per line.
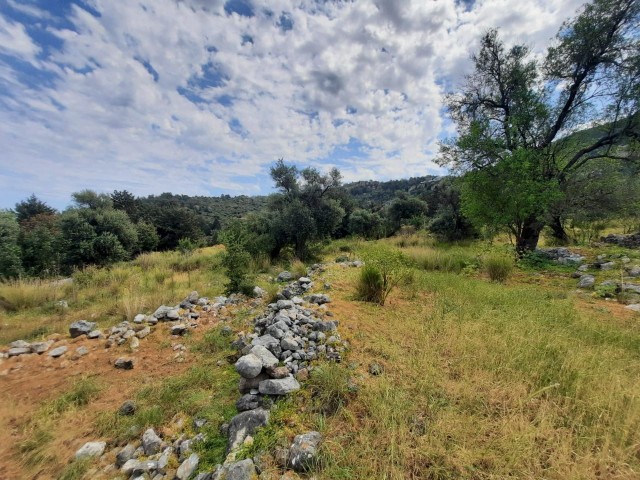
586	281
20	344
17	351
188	467
266	341
278	386
123	363
245	424
285	276
288	343
151	442
249	366
303	454
81	327
91	449
267	358
126	454
242	470
59	351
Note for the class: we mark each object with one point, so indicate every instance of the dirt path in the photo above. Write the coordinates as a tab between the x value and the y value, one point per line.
26	382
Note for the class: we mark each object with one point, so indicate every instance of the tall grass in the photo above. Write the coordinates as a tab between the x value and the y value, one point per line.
433	260
498	267
24	294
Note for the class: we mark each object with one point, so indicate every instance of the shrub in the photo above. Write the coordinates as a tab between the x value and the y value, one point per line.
498	267
387	267
237	263
370	286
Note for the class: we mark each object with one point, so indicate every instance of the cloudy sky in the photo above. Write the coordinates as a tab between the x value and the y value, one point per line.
201	96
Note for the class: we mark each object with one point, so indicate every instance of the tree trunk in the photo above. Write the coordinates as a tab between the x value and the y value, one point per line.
558	231
527	241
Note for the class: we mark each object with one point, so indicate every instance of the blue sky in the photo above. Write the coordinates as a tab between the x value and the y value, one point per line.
200	97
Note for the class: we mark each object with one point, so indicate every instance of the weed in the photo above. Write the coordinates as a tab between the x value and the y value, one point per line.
498	267
330	388
76	469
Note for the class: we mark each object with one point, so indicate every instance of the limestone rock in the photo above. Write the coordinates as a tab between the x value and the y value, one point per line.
249	366
58	351
151	442
279	386
91	449
188	467
304	451
245	424
81	327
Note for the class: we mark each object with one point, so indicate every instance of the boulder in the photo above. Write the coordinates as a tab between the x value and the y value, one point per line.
284	277
91	449
81	327
242	470
161	312
151	442
173	314
93	334
288	343
284	304
304	280
193	297
279	386
303	453
124	455
634	271
188	467
249	366
267	358
586	281
245	424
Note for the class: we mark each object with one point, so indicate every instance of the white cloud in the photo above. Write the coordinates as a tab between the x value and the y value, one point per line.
116	115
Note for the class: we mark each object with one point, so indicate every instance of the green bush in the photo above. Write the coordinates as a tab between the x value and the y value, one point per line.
498	267
370	286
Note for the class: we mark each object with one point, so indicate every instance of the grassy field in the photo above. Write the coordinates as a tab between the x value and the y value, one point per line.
519	377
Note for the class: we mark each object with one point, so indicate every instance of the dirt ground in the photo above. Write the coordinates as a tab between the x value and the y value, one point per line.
27	381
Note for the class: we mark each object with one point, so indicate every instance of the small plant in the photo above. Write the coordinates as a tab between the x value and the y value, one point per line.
298	269
330	387
186	246
498	267
237	263
385	268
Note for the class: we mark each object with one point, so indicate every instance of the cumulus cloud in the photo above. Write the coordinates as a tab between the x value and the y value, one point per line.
201	96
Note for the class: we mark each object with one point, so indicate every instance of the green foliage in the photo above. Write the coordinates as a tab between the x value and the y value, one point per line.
186	246
92	200
32	207
370	287
331	387
10	260
438	260
498	267
107	249
148	238
41	245
365	224
237	263
387	269
406	209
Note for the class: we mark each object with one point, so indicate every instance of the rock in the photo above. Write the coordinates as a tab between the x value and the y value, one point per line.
249	366
91	449
634	271
267	358
127	408
93	334
284	277
81	327
248	402
376	369
279	386
161	312
586	281
41	347
304	280
245	424
17	351
143	333
608	266
284	304
635	307
278	372
266	341
188	467
20	344
248	384
151	442
259	292
288	343
193	297
325	326
58	352
319	299
139	318
628	241
123	363
124	455
242	470
82	351
135	468
179	329
304	451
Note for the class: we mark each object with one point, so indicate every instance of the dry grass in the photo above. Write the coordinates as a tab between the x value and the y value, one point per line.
485	381
108	295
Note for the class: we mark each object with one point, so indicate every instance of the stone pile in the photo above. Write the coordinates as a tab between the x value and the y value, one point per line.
627	241
561	255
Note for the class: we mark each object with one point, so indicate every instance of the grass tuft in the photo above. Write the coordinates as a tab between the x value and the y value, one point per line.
498	267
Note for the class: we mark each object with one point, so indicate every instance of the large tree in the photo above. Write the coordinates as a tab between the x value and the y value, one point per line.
516	116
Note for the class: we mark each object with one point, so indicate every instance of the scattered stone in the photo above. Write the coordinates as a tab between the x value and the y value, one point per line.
179	329
124	363
634	271
124	455
284	276
249	366
151	442
82	351
20	344
41	347
135	468
189	466
245	424
91	449
127	408
279	386
633	307
303	452
81	327
59	351
608	266
93	334
586	281
17	351
242	470
139	318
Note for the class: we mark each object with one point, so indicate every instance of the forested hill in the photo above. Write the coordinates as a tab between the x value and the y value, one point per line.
370	192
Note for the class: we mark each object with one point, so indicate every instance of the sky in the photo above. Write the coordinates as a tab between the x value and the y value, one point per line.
201	97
